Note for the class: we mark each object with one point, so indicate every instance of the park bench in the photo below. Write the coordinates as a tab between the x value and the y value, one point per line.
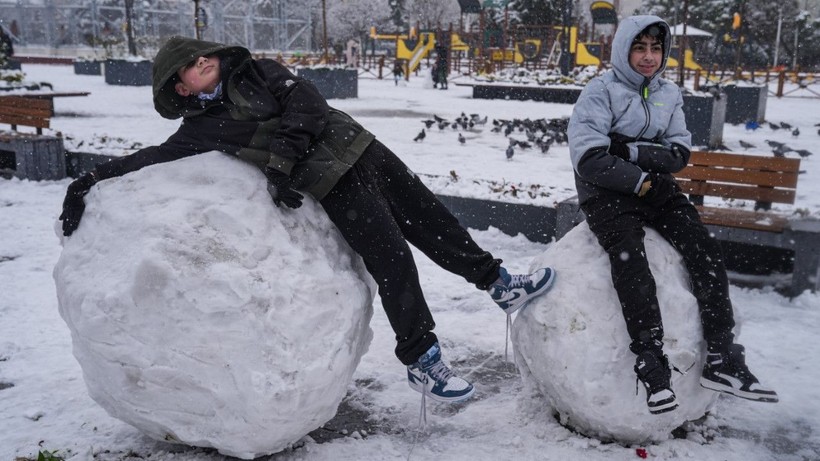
32	155
763	180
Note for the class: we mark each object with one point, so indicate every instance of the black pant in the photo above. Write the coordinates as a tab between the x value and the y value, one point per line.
617	221
379	206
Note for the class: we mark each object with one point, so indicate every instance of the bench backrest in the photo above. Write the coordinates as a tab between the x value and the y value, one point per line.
763	179
18	110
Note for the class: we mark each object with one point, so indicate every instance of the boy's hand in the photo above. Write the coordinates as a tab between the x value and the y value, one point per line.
73	205
281	189
661	189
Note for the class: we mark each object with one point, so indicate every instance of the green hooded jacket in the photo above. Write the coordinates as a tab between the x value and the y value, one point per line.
265	115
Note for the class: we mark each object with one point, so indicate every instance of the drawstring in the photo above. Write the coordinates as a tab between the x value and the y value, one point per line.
422	415
507	338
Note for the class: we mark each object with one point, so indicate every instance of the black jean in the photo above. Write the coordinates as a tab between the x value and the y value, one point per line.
617	221
379	206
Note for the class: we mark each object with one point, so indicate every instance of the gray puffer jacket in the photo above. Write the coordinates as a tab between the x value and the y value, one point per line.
623	104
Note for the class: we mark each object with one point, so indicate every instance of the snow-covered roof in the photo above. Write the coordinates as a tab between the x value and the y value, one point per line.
677	31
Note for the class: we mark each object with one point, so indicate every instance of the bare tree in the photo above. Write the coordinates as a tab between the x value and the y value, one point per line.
348	19
430	14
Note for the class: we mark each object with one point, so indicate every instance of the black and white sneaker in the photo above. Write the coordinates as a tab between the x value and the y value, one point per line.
727	372
652	368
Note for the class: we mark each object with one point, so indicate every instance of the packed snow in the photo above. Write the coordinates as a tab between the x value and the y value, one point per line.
575	349
44	401
202	315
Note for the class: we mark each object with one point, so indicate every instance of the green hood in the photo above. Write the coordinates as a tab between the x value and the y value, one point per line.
177	52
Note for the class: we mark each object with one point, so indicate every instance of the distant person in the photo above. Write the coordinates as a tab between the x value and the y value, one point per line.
6	43
627	135
259	111
442	66
398	71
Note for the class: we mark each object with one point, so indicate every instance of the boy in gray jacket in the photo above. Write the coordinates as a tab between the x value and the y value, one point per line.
627	136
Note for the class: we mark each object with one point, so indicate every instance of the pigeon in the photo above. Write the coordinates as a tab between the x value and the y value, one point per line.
481	121
803	153
746	145
508	130
796	132
439	119
774	144
420	136
780	151
510	152
428	123
461	138
785	126
773	126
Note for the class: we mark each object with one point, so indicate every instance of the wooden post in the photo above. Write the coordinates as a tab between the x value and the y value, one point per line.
696	86
781	79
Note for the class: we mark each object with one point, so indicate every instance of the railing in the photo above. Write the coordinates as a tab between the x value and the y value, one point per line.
789	83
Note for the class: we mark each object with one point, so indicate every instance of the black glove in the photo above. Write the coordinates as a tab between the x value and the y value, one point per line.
663	188
281	190
73	205
619	149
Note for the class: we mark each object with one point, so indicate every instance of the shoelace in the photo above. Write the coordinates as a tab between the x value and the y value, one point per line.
439	372
672	367
518	280
507	338
422	413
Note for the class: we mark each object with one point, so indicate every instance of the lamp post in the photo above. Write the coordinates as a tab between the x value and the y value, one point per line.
682	45
196	20
324	30
566	58
129	27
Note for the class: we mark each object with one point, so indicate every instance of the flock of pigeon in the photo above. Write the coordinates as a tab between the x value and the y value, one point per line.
779	149
522	133
543	133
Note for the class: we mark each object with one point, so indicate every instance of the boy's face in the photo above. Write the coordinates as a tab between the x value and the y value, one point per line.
645	55
199	76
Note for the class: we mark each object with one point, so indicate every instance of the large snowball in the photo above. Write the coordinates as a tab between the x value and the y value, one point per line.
201	313
573	347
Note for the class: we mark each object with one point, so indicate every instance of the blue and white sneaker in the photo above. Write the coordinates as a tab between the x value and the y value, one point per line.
512	292
432	377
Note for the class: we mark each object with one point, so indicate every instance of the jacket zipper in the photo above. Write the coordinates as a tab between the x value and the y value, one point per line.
644	92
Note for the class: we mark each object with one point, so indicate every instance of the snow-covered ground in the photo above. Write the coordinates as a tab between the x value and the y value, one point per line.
43	400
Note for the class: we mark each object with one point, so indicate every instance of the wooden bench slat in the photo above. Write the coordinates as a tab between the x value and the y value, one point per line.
745	219
748	162
37	122
16	110
760	194
759	178
19	101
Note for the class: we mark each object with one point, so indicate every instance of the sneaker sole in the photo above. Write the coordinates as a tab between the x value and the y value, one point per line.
663	408
419	388
543	290
713	386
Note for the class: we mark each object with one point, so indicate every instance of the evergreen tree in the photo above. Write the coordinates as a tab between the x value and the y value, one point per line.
759	30
397	14
538	12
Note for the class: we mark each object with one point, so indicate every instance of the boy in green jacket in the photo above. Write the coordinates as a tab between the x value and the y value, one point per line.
259	111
